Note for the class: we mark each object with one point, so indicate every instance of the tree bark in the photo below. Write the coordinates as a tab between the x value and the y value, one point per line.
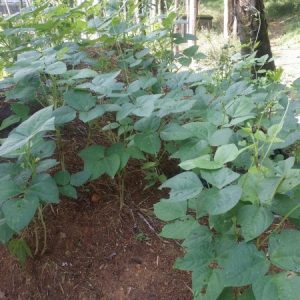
229	18
253	29
192	10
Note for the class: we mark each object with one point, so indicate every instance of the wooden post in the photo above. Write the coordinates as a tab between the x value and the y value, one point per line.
7	7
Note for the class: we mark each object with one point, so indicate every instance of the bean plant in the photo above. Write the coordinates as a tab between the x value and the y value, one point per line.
234	205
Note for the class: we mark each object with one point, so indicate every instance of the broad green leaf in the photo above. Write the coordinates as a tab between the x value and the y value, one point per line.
284	250
274	130
41	121
64	115
201	130
8	188
282	286
125	110
85	73
120	150
167	210
242	265
179	229
184	186
151	123
202	162
254	220
96	112
56	68
249	183
68	191
217	202
92	157
215	285
226	153
19	212
111	164
220	178
13	119
174	132
79	178
45	165
62	177
148	142
80	100
6	232
221	137
191	149
44	188
190	51
145	105
20	110
291	180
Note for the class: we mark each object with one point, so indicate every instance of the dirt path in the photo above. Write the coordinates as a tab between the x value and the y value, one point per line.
286	53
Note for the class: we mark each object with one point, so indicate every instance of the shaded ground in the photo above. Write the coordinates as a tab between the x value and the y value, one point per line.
94	250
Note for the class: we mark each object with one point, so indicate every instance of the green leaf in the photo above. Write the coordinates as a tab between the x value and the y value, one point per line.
167	210
45	165
151	123
96	112
19	212
284	250
8	189
13	119
184	186
226	153
39	122
191	51
19	249
145	105
92	157
179	229
80	100
64	115
174	132
111	164
44	187
57	68
220	178
242	265
218	202
254	220
85	73
282	286
291	180
68	191
148	142
202	162
120	150
6	232
20	110
62	177
80	178
221	137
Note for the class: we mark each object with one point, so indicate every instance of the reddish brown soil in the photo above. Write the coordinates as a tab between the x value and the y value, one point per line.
94	250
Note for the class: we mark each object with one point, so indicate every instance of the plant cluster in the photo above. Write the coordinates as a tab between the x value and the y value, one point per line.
239	188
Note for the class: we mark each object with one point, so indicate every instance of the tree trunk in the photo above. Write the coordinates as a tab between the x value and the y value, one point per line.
229	18
192	8
153	6
253	29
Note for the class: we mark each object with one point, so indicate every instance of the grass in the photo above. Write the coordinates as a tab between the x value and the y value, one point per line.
281	8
